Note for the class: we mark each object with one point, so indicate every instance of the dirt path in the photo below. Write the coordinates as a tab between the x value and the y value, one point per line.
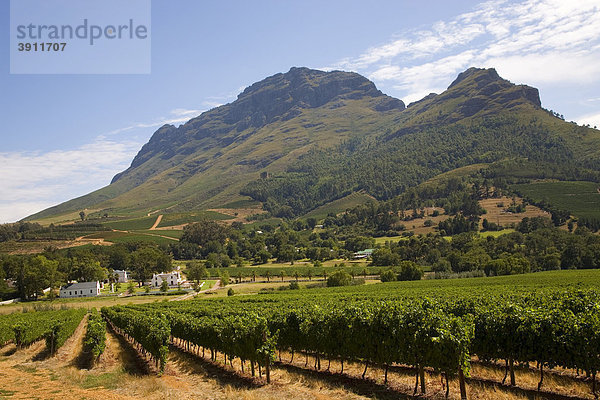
30	374
213	380
92	241
162	236
193	294
70	352
158	219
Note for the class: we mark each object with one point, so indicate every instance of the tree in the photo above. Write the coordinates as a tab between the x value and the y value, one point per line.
3	285
384	257
409	271
118	257
149	260
185	250
267	275
286	253
339	278
205	231
82	215
263	256
224	278
442	266
87	270
195	271
358	243
36	274
388	276
164	286
309	274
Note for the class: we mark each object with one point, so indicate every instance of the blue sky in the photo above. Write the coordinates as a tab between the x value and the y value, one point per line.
66	135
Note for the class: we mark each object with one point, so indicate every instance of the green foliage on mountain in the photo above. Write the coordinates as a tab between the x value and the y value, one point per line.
304	139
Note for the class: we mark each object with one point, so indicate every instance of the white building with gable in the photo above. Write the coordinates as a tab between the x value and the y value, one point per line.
173	279
81	289
123	277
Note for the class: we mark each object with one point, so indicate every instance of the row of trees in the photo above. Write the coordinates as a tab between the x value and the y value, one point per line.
542	248
32	274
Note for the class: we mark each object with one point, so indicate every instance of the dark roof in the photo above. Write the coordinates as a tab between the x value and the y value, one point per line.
80	285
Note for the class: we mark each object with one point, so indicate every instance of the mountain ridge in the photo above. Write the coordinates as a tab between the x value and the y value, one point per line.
277	121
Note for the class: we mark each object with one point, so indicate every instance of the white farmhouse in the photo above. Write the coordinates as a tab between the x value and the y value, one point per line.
82	289
123	278
173	279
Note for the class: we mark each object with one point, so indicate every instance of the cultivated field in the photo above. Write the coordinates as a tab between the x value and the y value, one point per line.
582	199
123	372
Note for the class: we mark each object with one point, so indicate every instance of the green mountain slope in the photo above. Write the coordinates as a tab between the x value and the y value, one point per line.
206	161
298	140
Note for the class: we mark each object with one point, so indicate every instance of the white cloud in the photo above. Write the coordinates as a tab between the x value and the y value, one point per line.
182	112
591	119
178	116
420	80
533	41
558	68
33	181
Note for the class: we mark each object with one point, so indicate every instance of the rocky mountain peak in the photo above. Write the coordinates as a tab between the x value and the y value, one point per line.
480	75
282	95
486	82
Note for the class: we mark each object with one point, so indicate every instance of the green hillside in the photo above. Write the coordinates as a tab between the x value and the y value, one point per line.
307	139
582	199
340	205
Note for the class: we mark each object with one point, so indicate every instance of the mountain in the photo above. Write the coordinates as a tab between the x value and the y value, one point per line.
300	139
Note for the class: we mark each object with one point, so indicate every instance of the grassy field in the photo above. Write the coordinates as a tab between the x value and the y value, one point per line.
128	237
163	232
455	173
495	233
303	268
184	218
132	224
340	205
498	215
90	302
582	199
584	278
38	246
275	286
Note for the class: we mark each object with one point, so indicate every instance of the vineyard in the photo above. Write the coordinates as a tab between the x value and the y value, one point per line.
53	326
438	336
394	326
